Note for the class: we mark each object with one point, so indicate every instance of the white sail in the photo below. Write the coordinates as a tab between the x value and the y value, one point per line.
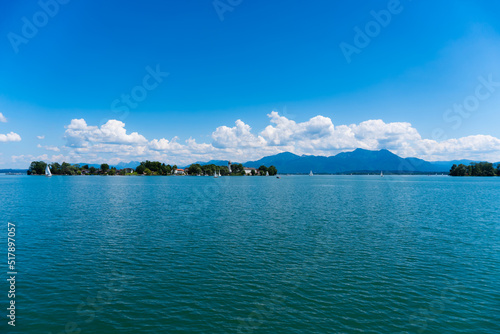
267	173
381	174
215	174
47	171
311	173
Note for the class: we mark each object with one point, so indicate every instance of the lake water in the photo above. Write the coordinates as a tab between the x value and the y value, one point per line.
322	254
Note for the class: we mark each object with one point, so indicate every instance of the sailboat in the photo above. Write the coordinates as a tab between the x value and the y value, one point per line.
311	173
267	173
215	174
219	173
47	171
381	174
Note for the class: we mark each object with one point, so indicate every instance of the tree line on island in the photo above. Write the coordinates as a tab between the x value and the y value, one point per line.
475	169
148	168
158	168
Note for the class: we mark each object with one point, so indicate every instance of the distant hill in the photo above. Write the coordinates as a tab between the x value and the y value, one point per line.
131	164
24	171
347	162
447	164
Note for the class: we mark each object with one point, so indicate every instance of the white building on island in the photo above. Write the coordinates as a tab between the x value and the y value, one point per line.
248	170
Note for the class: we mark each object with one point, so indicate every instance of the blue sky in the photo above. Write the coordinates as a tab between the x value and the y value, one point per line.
230	64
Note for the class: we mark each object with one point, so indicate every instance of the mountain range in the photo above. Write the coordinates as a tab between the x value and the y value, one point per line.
359	160
121	165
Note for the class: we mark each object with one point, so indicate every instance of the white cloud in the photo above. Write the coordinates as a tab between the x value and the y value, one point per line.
238	136
317	136
2	118
478	147
287	131
79	134
10	137
40	137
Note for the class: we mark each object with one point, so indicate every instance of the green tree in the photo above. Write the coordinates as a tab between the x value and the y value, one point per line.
237	169
104	168
208	169
224	170
195	169
112	171
154	166
68	169
272	170
92	170
485	169
165	169
148	171
37	168
263	170
56	169
453	169
460	170
140	169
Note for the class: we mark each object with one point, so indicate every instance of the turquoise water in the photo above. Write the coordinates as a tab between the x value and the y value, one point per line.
322	254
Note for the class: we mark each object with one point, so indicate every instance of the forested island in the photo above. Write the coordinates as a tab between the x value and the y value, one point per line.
149	168
475	169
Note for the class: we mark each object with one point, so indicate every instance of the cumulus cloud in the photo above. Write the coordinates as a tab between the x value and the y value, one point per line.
2	118
238	136
10	137
317	136
478	147
79	134
288	131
